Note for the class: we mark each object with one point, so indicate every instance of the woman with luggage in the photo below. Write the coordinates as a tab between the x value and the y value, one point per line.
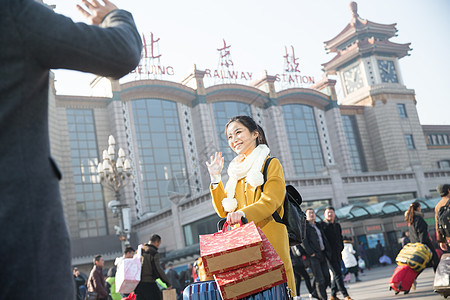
418	230
349	259
242	196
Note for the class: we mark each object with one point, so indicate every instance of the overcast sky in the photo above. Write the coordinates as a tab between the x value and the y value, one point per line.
258	31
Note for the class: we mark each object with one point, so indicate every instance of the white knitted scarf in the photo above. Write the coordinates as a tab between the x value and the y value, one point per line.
249	167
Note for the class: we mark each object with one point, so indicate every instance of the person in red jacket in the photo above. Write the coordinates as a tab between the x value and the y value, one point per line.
96	282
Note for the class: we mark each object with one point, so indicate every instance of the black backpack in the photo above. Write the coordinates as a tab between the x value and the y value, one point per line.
294	218
443	219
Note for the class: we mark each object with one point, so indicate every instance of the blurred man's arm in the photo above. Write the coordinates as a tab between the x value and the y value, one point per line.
54	41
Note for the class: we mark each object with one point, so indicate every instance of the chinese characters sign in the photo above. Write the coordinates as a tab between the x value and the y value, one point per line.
150	66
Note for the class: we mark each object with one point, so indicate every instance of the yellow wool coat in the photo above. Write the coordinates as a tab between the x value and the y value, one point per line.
259	207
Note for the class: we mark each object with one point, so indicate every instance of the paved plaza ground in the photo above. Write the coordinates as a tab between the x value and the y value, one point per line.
375	285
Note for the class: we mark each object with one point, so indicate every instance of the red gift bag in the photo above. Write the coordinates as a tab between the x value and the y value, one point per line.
229	250
252	279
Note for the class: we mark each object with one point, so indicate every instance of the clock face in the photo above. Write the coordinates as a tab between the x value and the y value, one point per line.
353	79
387	71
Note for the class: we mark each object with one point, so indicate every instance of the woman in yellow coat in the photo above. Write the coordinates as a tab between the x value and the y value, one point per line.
242	197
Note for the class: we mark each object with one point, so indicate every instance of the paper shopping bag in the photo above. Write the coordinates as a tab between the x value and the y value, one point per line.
252	279
128	273
229	250
169	294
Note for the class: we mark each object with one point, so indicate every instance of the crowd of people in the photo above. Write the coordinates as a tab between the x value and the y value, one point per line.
155	277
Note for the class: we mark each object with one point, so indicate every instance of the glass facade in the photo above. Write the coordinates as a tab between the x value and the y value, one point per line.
303	138
160	150
223	112
354	143
91	210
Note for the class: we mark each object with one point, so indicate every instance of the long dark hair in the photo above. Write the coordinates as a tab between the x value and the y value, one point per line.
251	125
409	215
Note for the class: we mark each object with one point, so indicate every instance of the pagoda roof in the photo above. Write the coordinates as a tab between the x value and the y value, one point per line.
366	47
356	29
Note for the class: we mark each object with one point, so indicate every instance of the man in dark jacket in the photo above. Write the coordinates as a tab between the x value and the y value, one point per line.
186	277
174	278
333	233
33	40
147	289
96	282
317	249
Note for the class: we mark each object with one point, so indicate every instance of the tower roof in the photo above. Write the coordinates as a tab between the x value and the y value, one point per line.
360	38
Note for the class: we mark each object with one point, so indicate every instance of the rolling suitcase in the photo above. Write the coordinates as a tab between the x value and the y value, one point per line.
402	279
441	282
207	290
203	290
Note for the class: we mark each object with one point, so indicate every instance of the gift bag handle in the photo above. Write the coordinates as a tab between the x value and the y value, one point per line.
221	224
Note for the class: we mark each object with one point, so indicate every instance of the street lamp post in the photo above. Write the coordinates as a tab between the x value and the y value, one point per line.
115	173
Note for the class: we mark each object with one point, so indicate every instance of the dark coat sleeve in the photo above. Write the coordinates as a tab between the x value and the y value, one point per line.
112	49
160	271
311	243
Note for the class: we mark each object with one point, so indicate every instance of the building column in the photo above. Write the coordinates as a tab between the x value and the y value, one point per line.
275	129
419	175
205	131
176	224
339	195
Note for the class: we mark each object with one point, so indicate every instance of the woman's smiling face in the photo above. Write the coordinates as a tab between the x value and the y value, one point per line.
240	139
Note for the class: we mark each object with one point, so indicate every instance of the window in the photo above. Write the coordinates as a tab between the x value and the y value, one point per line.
444	164
354	143
90	204
438	139
402	110
206	225
410	141
161	153
304	140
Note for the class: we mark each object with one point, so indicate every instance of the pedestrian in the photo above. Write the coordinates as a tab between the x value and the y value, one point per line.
333	232
33	40
242	196
111	284
186	277
418	230
404	240
349	258
318	251
80	284
96	281
379	249
444	192
362	253
147	289
174	278
127	253
297	257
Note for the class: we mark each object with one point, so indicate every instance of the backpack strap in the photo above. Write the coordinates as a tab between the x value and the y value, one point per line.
275	215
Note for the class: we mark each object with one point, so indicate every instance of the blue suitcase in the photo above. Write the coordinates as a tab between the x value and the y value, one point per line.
203	290
207	290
